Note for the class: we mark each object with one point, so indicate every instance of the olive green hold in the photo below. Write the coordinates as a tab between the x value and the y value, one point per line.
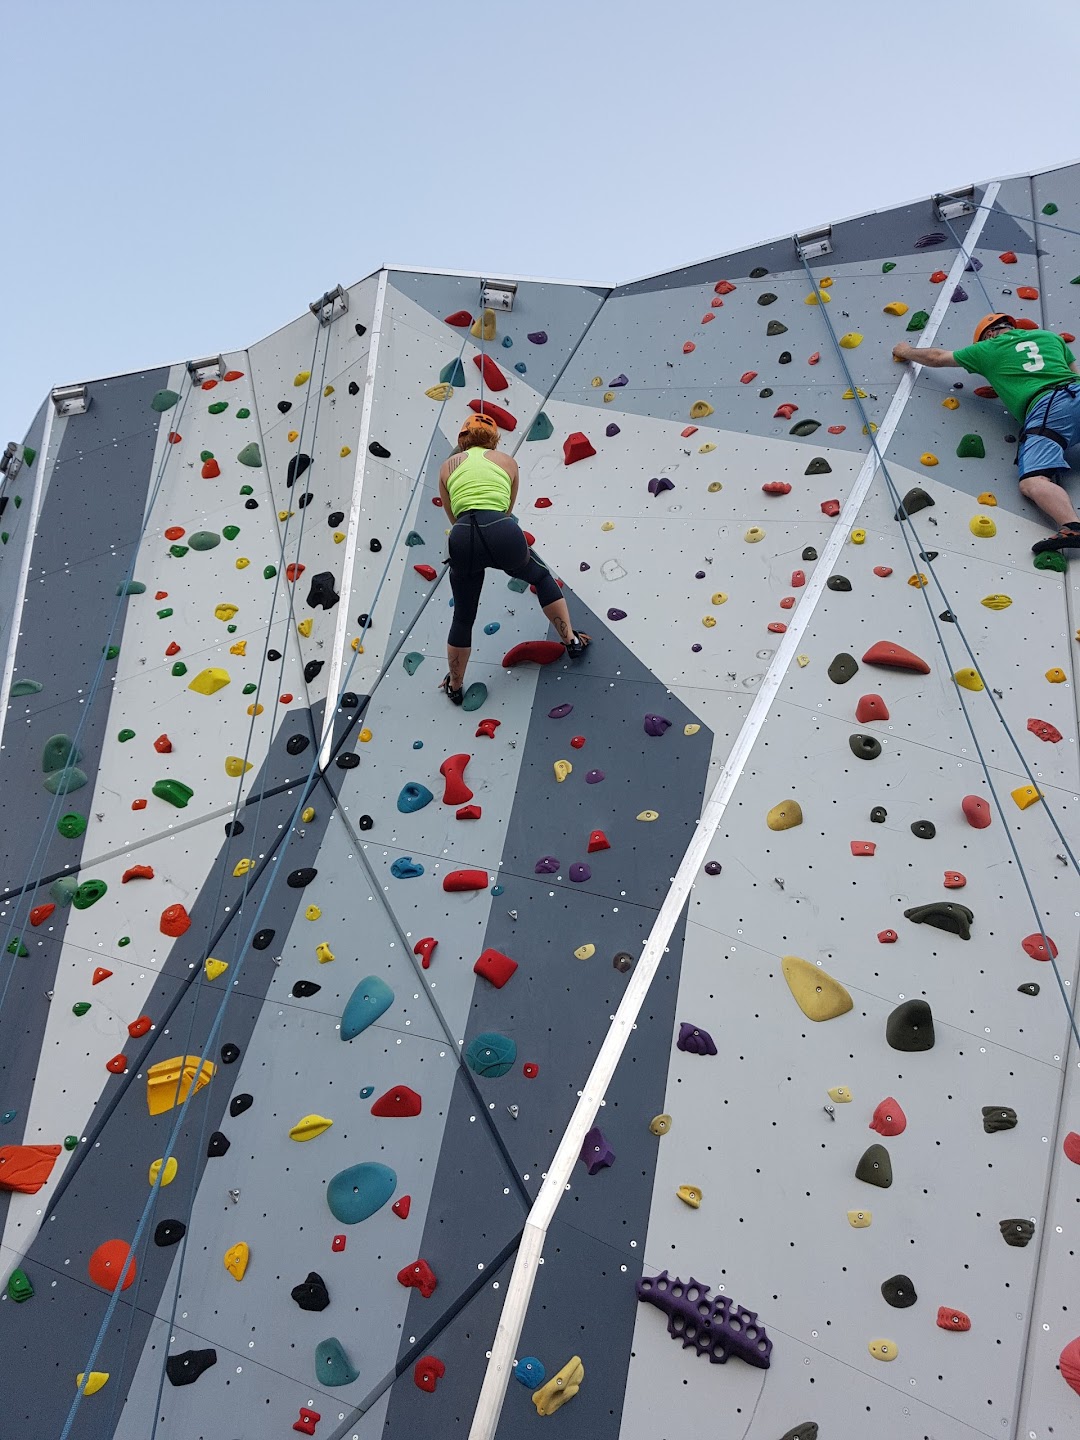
269	572
818	466
18	948
26	687
875	1167
838	582
218	408
19	1287
249	455
133	587
915	500
943	915
62	782
243	413
59	750
204	540
62	890
971	447
774	327
164	614
919	320
249	688
71	825
174	791
923	829
231	629
864	747
809	553
80	1008
1051	560
842	668
802	428
179	669
178	551
88	893
164	400
71	1142
231	531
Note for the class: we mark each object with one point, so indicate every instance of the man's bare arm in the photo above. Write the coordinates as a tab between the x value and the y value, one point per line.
929	355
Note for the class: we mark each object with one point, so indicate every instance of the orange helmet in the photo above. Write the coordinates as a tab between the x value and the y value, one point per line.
479	430
988	321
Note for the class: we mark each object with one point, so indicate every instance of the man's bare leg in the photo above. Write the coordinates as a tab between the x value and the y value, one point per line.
1052	499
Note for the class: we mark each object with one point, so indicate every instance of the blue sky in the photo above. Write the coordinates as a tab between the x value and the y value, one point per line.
183	179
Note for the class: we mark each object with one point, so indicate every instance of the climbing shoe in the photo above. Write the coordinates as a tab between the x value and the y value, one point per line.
576	648
454	696
1066	538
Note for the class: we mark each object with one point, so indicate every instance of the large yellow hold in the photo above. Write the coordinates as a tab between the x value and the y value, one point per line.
560	1388
1026	796
896	307
483	327
210	681
169	1081
309	1126
970	679
817	994
851	341
224	611
784	816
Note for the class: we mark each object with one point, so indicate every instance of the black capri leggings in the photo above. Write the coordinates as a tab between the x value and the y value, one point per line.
488	538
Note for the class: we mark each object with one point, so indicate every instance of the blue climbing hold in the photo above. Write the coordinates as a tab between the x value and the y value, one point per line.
413	797
371	998
418	744
520	367
491	1054
507	343
453	374
406	868
332	1366
496	890
492	628
412	662
367	1091
412	538
541	428
530	1371
358	1192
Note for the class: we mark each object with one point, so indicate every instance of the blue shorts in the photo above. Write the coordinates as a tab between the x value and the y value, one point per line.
1057	411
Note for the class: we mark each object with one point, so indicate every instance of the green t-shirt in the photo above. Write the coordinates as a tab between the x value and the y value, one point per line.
1019	364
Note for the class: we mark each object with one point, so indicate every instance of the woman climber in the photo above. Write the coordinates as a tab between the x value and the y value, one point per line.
478	485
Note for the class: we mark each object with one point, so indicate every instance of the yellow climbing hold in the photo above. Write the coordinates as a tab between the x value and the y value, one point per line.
255	709
313	913
364	736
324	953
813	299
715	484
707	449
169	1081
996	602
345	450
214	968
660	1124
951	403
236	1260
841	1094
235	765
927	459
690	729
293	435
851	341
608	525
242	867
883	1349
858	537
850	394
825	282
94	1381
968	678
784	816
560	1388
870	429
307	814
439	392
356	645
597	381
689	1195
284	514
585	952
304	626
242	562
240	648
328	390
1056	676
209	681
817	994
982	525
918	581
649	815
170	1171
986	498
225	611
859	1219
803	660
302	379
754	534
1026	795
339	536
896	307
483	327
720	598
609	396
562	769
700	409
309	1126
708	621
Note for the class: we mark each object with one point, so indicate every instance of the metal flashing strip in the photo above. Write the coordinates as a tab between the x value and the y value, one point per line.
482	274
557	1179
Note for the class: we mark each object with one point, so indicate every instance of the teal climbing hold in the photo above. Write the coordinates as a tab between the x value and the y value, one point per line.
62	890
406	868
371	998
475	696
88	893
518	586
249	455
412	661
413	797
62	782
492	627
60	750
541	428
413	538
919	320
230	531
218	407
26	687
359	1191
332	1366
164	400
491	1054
204	540
453	374
367	1092
133	587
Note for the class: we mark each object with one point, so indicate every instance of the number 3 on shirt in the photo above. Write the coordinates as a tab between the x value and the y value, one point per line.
1036	361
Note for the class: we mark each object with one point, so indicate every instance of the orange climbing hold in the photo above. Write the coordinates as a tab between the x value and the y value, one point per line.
954	880
724	287
138	804
814	359
576	447
233	375
175	437
26	1168
109	1262
748	377
884	571
938	276
174	532
117	1065
210	470
707	317
689	347
137	872
175	921
1007	257
777	627
895	657
172	648
502	418
100	974
40	913
776	487
837	429
1027	292
690	430
293	572
1023	323
163	745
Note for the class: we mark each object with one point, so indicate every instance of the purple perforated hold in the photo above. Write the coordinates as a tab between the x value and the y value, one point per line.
713	867
612	430
717	1328
616	614
694	1040
596	1153
560	712
656	724
619	380
579	873
959	295
934	238
659	485
546	865
538	337
593	777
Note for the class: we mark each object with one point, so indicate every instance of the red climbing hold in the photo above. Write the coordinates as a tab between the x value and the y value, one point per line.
954	880
293	572
307	1422
938	276
689	347
107	1264
1036	947
748	377
175	921
530	1070
777	627
887	937
814	359
785	411
337	1244
163	745
716	304
578	742
1027	292
536	652
1007	257
487	728
689	430
787	602
986	392
576	447
398	1103
41	913
100	973
895	657
286	699
174	532
863	847
530	540
1023	323
976	811
723	287
402	1207
543	503
468	812
138	804
598	841
776	487
884	571
460	318
26	1168
137	872
837	429
172	648
493	965
494	379
948	1319
140	1027
427	1372
210	470
707	317
427	571
426	948
1069	1364
456	880
1067	336
164	594
452	770
418	1276
117	1065
830	507
502	418
1044	730
871	707
233	375
208	385
1071	1146
889	1118
175	437
798	578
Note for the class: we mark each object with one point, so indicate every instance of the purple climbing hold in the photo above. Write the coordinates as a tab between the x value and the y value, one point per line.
658	486
694	1040
958	295
560	712
593	777
699	574
616	614
596	1153
713	867
973	264
538	337
934	238
696	649
612	430
619	380
656	724
579	873
718	1328
546	865
584	566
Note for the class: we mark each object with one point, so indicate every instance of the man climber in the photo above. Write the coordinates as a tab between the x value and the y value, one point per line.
1032	372
478	486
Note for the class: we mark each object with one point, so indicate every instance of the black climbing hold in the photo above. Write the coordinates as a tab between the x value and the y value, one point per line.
928	555
875	1167
809	553
349	700
304	989
785	357
808	1430
915	500
230	1053
622	961
842	667
1029	987
374	546
943	915
766	298
910	1027
305	500
169	1232
185	1368
803	428
998	1117
297	744
818	466
1016	1232
864	747
948	616
233	827
251	504
758	273
297	879
764	394
273	655
364	621
838	582
263	939
218	1145
365	822
379	451
348	761
713	867
312	670
239	1103
879	814
296	467
923	829
899	1291
774	327
354	388
312	1294
284	406
335	518
321	591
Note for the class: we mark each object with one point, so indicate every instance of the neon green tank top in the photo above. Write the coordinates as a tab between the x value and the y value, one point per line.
478	484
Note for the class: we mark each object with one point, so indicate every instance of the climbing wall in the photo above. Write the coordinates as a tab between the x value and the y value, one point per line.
304	970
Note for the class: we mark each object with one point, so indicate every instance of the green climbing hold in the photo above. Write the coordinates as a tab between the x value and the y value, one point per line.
1049	208
71	825
249	688
26	687
80	1008
413	538
971	447
231	531
164	400
18	501
218	408
541	428
62	890
919	320
179	668
62	782
71	1142
133	587
205	455
453	374
111	652
204	540
18	948
88	893
124	940
247	490
231	629
174	791
4	536
249	455
475	696
59	750
178	551
125	736
29	454
164	614
269	572
518	586
888	265
412	662
1051	560
1075	280
243	413
19	1287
